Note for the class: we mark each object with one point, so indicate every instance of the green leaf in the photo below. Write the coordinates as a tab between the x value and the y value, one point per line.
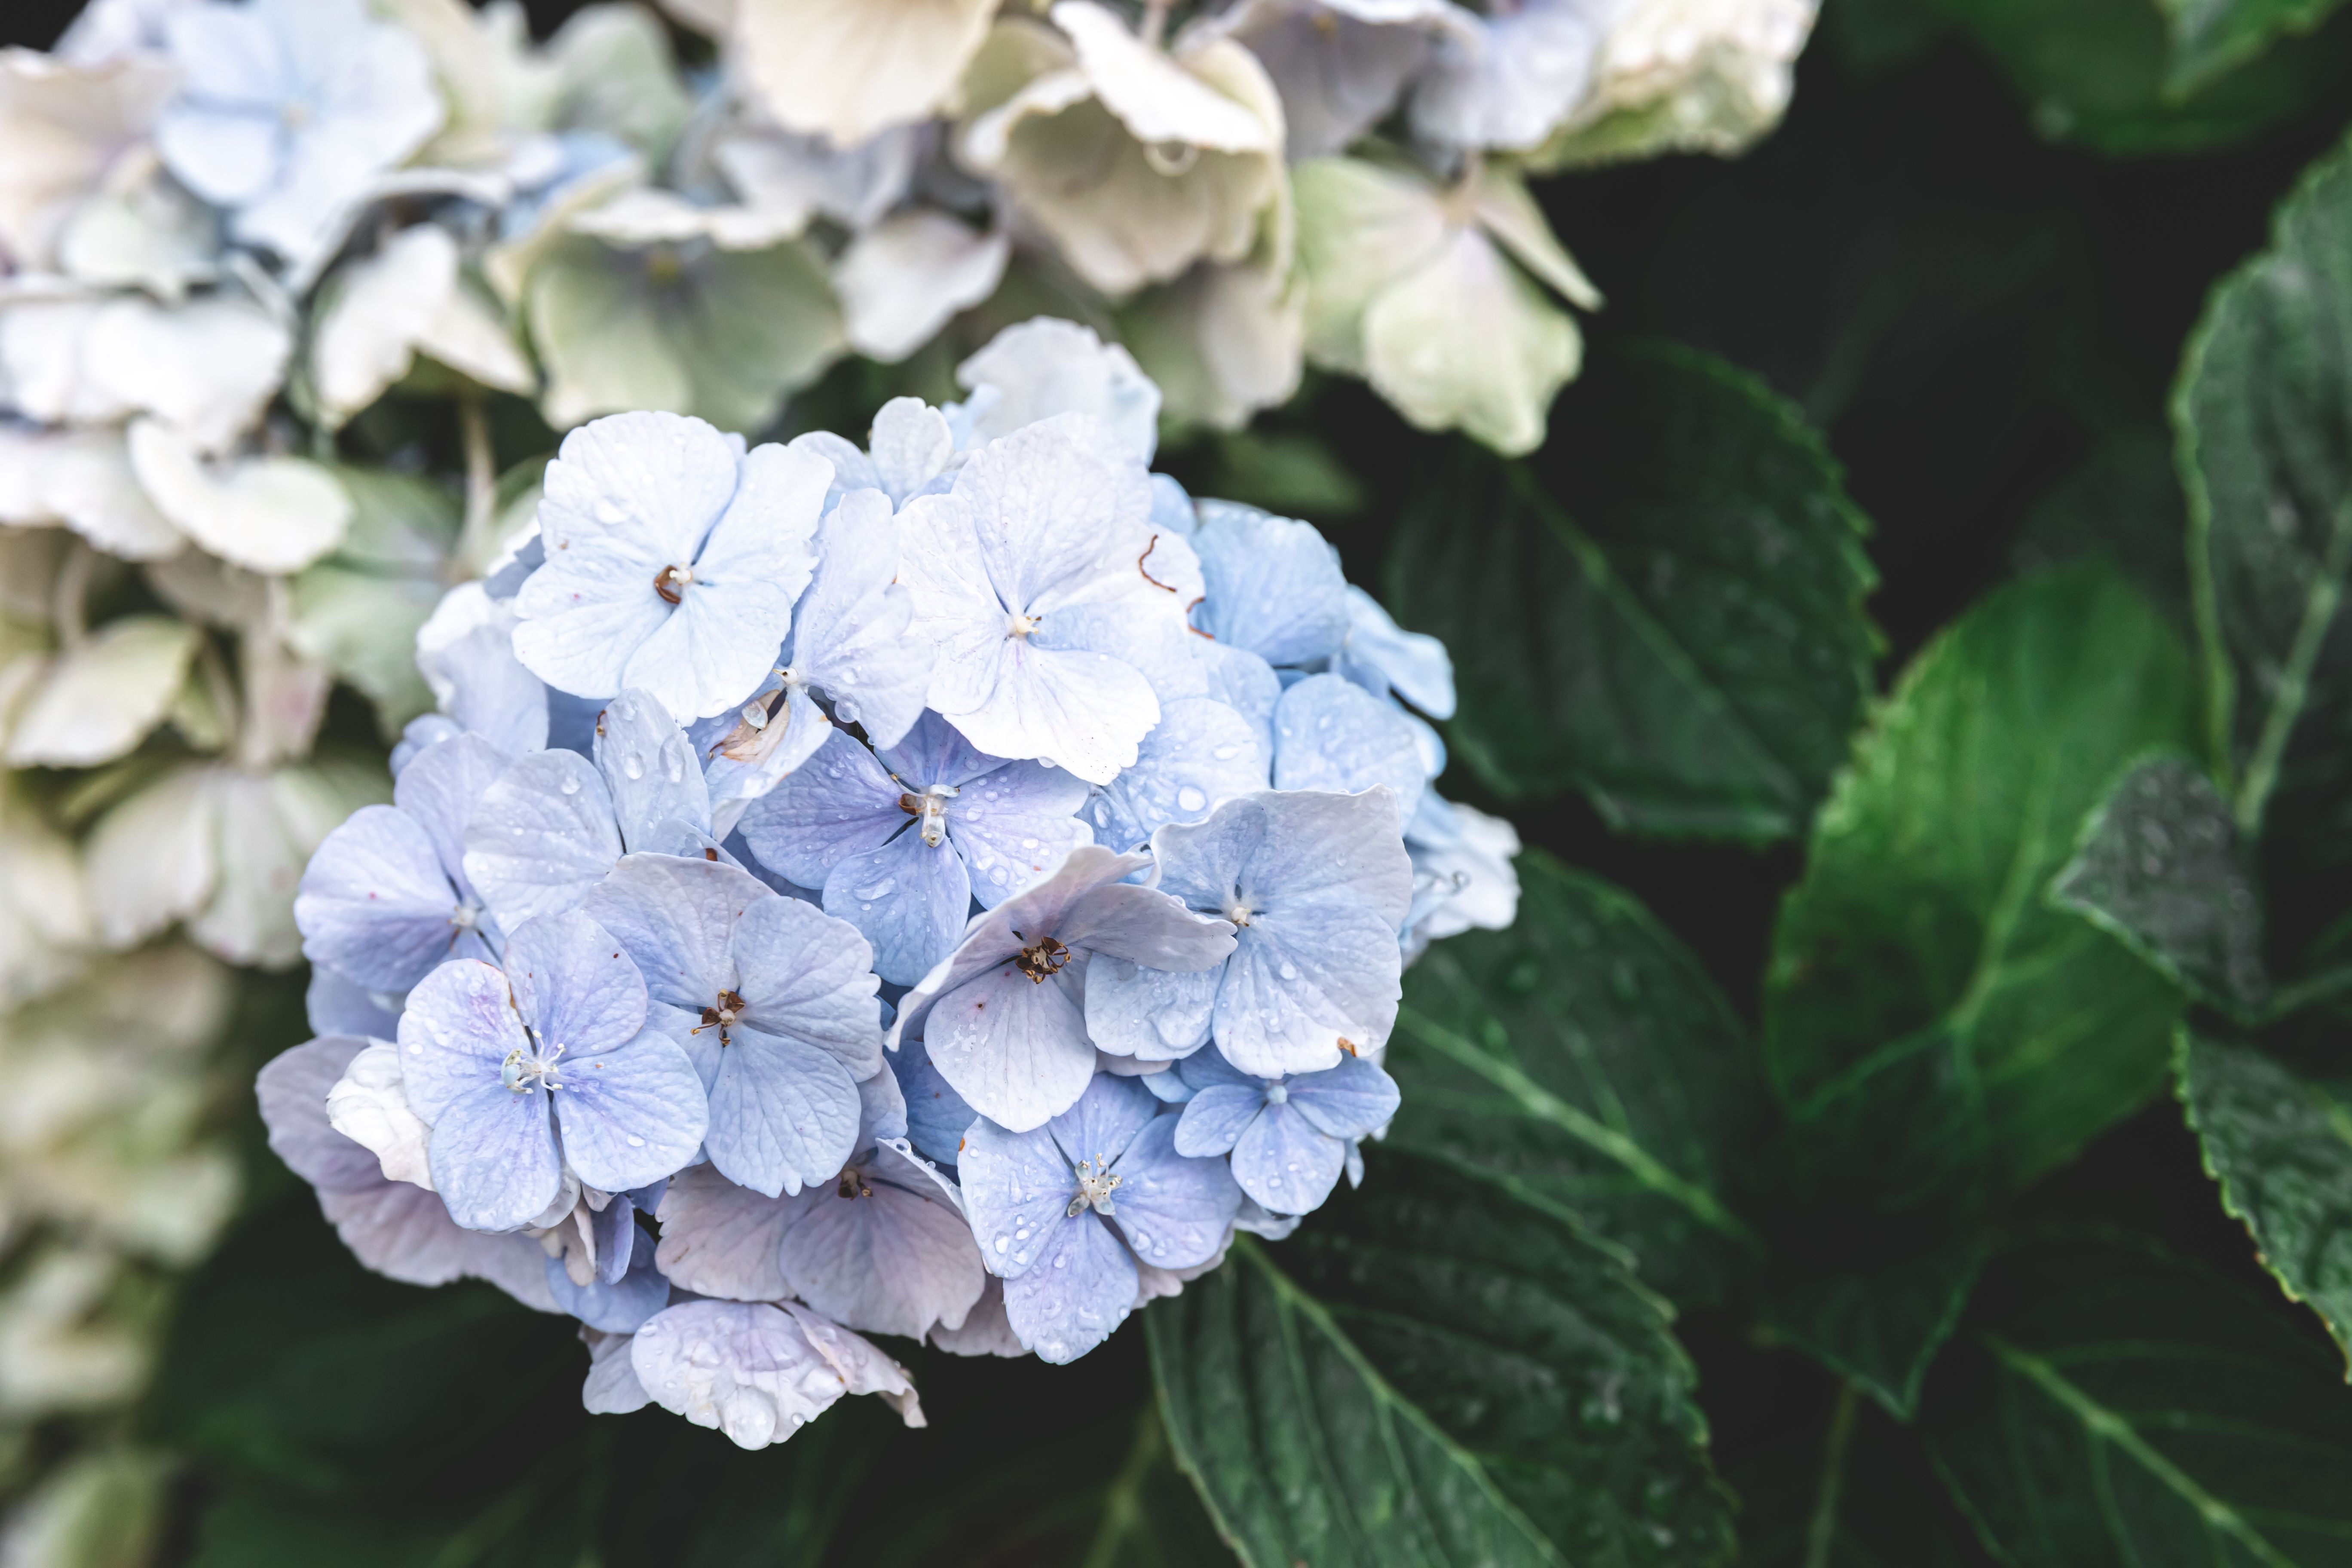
1854	1491
2159	870
1669	619
2208	37
2108	1405
1879	1326
2113	75
1939	1033
1586	1061
1433	1371
2259	413
2280	1142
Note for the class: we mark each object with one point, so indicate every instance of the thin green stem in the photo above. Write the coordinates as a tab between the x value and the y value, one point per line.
1821	1536
1122	1513
2320	603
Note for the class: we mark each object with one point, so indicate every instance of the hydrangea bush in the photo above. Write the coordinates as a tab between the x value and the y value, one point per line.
943	888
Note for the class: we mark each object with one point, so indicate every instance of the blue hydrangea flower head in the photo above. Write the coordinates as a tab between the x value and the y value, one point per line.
773	1000
385	898
673	558
1065	1211
1289	1138
1000	1014
501	1065
903	840
288	110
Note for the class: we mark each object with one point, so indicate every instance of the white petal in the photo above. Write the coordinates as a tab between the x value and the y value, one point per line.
369	1107
272	515
848	71
100	698
903	280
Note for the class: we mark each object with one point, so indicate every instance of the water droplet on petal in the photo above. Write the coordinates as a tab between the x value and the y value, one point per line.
568	786
1191	799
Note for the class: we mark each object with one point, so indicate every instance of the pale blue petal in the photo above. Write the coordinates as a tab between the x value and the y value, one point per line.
720	1240
455	1035
1215	1117
490	693
1144	926
881	1111
1015	825
649	767
1294	992
1280	851
854	628
1274	586
805	975
1081	1288
1175	1212
1331	734
1015	1048
1168	1088
896	1259
227	156
1285	1164
1351	1101
782	1114
852	468
615	1228
542	837
912	445
439	792
493	1157
1149	1013
632	1114
335	1006
675	918
375	904
1104	1121
1380	656
908	899
1207	1069
1201	755
1243	682
228	55
934	752
937	1116
425	730
619	1307
1017	1188
578	989
1171	509
840	802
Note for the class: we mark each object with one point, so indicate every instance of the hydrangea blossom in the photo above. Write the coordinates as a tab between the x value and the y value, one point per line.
1130	794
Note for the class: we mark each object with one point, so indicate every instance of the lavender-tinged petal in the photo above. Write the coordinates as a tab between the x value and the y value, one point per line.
806	977
1296	990
617	1307
1104	1121
908	899
1081	1288
895	1258
1175	1212
375	904
440	791
743	1369
1144	926
676	918
721	1240
1017	1188
782	1114
633	1114
1133	1010
1016	1049
1331	734
458	1029
494	1161
1015	825
541	837
577	988
985	1329
937	1116
838	802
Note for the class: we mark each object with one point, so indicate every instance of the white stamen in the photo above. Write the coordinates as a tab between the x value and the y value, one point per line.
1096	1181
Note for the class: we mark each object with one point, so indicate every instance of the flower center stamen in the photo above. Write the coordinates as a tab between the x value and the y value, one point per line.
928	807
671	581
525	1071
1019	625
722	1016
1041	958
851	1184
1097	1182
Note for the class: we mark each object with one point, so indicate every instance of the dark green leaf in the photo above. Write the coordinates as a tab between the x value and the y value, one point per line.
1585	1058
1879	1325
1856	1491
2208	37
2280	1142
1939	1033
2111	75
2263	416
2108	1405
2160	869
1669	619
1434	1371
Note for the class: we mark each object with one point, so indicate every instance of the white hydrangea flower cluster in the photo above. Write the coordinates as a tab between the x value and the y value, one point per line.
943	888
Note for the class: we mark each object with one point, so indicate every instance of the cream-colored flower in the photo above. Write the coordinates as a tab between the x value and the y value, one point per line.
1136	161
267	513
1699	76
1221	341
848	71
903	280
412	296
208	368
1442	299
